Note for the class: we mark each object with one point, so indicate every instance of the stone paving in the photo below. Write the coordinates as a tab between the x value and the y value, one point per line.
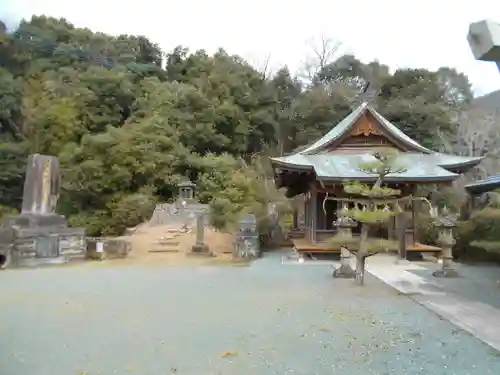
480	282
269	318
470	302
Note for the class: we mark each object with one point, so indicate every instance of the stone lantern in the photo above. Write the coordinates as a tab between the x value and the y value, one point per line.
345	225
445	224
186	191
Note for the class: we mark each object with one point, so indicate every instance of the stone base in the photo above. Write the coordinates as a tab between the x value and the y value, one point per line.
37	262
201	249
36	221
344	272
449	272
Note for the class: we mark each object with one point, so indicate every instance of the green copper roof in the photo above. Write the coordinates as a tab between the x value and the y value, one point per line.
420	164
346	124
484	186
346	167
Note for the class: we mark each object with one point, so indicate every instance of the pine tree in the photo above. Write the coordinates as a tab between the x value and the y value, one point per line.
379	204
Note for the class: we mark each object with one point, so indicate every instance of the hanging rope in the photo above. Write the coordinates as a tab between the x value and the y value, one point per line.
324	203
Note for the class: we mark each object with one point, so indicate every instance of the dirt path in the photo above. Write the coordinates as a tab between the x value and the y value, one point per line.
167	245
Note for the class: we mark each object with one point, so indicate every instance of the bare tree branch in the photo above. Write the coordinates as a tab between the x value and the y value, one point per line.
262	65
476	133
322	51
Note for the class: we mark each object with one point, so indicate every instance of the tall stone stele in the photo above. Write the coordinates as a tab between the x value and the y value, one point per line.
40	235
40	194
445	224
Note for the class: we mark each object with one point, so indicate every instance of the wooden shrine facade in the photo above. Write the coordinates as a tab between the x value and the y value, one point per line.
315	175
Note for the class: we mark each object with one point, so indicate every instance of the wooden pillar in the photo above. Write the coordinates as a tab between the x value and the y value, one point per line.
413	238
295	219
307	217
401	224
314	211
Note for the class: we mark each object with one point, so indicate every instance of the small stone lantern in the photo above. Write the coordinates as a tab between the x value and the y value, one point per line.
345	225
186	190
445	225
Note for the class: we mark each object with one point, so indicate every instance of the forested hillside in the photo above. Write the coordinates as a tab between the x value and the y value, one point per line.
127	130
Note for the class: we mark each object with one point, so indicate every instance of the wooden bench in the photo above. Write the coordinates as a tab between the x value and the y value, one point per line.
302	245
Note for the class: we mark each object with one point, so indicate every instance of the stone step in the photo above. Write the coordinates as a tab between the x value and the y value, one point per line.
167	243
168	250
172	230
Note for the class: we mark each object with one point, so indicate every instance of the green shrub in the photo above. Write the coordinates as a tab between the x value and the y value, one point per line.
427	233
222	214
233	188
477	238
7	211
122	212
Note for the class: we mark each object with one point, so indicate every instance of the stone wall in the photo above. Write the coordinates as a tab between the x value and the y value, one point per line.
112	248
176	214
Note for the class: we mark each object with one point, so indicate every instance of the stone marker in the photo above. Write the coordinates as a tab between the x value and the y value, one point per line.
41	185
200	247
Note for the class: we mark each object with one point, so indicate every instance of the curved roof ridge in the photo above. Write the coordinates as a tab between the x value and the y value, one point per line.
345	125
397	132
337	130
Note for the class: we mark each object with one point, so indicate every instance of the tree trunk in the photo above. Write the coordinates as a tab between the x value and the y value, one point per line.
361	255
360	269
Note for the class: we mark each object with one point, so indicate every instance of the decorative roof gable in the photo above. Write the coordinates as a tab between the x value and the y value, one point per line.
364	127
356	124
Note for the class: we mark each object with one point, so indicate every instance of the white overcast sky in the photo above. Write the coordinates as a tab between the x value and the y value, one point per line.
404	33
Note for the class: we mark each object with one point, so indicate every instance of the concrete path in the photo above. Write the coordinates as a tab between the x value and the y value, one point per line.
477	318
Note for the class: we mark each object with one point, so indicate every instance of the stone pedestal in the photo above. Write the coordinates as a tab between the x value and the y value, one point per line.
445	224
345	225
36	221
345	270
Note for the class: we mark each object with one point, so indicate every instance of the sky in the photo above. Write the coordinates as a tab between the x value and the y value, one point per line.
402	34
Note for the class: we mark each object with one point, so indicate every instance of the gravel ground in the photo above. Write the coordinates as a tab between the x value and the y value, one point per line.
264	319
479	282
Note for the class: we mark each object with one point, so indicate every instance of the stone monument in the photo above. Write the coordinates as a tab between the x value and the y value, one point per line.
40	235
484	41
200	248
247	239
